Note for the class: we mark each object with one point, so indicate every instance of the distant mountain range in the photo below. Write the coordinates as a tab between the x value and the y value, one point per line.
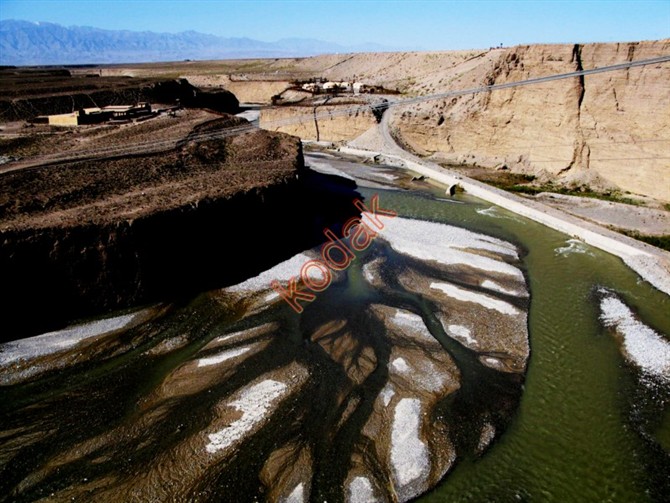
28	43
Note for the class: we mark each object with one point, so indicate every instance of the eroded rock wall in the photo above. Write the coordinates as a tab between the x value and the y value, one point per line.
606	129
346	122
247	91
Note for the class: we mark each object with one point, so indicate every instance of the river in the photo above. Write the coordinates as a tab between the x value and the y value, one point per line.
146	405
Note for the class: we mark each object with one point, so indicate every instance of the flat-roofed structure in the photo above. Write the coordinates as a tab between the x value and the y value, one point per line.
92	115
120	112
96	115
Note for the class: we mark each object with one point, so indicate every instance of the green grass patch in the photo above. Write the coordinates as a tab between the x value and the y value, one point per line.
662	242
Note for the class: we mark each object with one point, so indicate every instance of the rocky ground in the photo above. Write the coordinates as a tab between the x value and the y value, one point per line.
130	187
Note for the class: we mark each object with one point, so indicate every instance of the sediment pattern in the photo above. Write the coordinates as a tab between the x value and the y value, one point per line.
413	357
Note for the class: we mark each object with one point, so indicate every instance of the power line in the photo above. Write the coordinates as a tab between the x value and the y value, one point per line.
157	146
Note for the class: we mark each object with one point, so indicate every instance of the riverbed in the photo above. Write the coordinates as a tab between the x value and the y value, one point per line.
124	405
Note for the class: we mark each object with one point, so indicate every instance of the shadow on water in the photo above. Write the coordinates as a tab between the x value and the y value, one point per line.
102	402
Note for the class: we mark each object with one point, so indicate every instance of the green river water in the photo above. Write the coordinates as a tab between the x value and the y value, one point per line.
586	429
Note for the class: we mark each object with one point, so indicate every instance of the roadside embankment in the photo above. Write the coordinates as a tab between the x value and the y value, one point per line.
649	262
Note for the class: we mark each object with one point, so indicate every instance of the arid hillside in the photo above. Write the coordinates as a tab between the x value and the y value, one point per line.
606	131
603	131
89	235
28	92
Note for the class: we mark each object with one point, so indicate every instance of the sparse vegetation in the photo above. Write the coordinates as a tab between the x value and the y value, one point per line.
523	184
527	184
581	191
502	179
662	242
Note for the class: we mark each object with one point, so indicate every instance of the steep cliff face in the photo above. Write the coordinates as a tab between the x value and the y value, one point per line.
247	91
603	130
345	123
118	233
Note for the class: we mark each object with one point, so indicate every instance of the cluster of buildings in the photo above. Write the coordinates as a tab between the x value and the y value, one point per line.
333	87
97	115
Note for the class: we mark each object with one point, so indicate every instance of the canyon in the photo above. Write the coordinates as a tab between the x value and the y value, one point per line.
603	131
163	362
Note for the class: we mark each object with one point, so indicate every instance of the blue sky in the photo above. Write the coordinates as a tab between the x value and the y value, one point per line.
428	24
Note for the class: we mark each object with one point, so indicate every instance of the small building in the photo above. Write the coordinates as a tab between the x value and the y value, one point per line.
121	112
360	88
95	115
311	87
345	86
64	119
82	116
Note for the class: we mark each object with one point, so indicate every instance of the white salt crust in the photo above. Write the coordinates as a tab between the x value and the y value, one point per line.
409	455
446	244
461	333
223	356
400	365
360	491
413	322
296	496
281	272
492	285
327	168
254	402
245	334
478	298
641	345
387	393
54	342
